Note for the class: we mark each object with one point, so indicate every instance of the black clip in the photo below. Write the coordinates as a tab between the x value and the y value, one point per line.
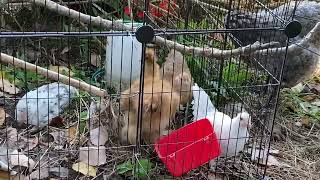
293	29
145	34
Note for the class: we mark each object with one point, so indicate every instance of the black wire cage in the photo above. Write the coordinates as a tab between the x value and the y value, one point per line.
131	72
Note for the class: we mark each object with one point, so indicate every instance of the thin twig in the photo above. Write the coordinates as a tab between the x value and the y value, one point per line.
52	75
311	129
38	162
118	25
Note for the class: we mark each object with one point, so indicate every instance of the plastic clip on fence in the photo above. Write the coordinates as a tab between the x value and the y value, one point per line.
188	147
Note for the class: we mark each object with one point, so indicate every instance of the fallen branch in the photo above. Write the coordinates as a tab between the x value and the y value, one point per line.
65	11
52	75
118	25
311	38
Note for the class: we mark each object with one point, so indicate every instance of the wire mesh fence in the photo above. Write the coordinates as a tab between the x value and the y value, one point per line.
147	89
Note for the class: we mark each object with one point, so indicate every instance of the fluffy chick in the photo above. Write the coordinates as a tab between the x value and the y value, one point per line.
160	103
201	103
175	70
152	75
232	133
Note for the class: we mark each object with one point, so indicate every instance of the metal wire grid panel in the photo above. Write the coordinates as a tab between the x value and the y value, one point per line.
72	42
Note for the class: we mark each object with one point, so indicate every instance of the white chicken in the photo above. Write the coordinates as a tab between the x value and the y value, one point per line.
202	104
231	133
38	107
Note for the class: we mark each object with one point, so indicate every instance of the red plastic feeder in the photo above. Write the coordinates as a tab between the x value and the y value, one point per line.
188	147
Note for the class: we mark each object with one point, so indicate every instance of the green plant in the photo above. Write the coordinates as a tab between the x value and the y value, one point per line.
141	169
234	75
21	78
83	122
302	106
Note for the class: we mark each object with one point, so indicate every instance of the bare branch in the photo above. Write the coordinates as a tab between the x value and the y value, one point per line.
310	39
213	52
118	25
52	75
65	11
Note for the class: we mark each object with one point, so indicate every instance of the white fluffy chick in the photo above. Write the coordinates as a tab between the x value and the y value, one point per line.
38	107
232	133
202	105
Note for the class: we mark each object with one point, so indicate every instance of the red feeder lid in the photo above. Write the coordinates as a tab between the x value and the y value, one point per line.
188	147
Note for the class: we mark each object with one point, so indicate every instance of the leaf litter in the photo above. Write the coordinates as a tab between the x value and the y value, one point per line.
53	146
85	169
94	156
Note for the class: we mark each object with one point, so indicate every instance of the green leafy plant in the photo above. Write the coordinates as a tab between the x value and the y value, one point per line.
23	79
83	122
234	75
302	106
141	169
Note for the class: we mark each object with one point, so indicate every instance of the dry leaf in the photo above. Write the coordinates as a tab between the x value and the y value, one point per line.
298	124
99	136
30	143
298	88
39	174
16	141
95	59
309	97
2	116
305	120
59	136
291	106
65	50
274	151
56	122
314	88
61	69
94	156
72	133
4	165
19	159
7	87
12	137
272	161
261	155
85	169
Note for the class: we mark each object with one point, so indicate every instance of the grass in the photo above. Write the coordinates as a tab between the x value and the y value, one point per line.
300	129
301	106
23	79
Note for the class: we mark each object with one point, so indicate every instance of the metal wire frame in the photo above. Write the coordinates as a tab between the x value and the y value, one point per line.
165	31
